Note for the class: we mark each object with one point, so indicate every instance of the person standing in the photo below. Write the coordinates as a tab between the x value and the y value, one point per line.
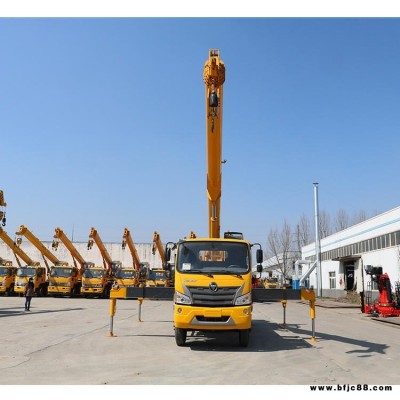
29	291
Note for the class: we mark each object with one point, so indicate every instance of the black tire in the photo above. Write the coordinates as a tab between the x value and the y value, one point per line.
244	337
75	291
42	291
10	291
180	336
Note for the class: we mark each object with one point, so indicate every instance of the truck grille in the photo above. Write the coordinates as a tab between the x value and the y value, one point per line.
203	296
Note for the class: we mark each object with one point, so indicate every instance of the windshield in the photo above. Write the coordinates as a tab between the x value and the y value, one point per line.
125	274
213	257
26	272
3	271
60	272
156	275
94	273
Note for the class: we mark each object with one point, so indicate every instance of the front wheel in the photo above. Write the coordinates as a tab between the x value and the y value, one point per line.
180	336
43	291
10	291
244	337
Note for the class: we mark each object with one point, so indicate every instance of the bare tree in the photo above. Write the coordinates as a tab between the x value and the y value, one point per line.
303	232
342	220
325	228
358	217
280	250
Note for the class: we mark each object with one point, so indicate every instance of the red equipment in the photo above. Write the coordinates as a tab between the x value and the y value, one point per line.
385	306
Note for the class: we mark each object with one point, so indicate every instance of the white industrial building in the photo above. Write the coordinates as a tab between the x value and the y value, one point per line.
344	255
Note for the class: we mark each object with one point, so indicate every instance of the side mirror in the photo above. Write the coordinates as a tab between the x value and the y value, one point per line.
167	254
259	256
166	267
259	268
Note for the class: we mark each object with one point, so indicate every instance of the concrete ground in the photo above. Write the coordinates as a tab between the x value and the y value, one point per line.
65	341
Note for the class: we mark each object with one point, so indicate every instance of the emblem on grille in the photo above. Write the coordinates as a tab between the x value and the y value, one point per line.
213	287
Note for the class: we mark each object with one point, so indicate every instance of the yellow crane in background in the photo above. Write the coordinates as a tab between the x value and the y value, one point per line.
31	269
96	280
3	206
76	256
63	279
135	275
159	276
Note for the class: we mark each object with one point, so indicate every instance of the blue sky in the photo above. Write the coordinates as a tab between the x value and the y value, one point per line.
102	122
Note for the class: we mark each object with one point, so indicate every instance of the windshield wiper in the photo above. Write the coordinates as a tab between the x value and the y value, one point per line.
226	272
198	271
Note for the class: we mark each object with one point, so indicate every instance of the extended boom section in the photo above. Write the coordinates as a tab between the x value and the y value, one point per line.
214	78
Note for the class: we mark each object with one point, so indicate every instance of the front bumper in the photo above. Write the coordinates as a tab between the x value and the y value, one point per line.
206	318
59	290
92	290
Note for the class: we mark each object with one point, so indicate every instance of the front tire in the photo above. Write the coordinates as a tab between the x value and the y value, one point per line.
180	336
244	337
42	291
10	291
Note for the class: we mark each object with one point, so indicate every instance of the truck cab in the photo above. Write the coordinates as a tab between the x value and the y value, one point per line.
7	277
271	283
157	277
96	281
38	274
213	287
64	279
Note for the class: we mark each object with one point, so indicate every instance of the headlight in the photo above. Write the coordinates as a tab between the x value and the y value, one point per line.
4	283
244	300
181	298
67	284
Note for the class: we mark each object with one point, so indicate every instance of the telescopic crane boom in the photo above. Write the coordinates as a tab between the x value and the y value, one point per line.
157	244
97	280
24	231
127	240
94	236
18	252
3	206
59	234
214	78
131	276
159	276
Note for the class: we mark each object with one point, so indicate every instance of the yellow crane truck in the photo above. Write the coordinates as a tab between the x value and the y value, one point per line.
31	269
7	277
63	279
7	270
97	280
135	275
159	277
76	256
213	276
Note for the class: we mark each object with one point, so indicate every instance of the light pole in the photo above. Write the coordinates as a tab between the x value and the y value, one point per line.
317	241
